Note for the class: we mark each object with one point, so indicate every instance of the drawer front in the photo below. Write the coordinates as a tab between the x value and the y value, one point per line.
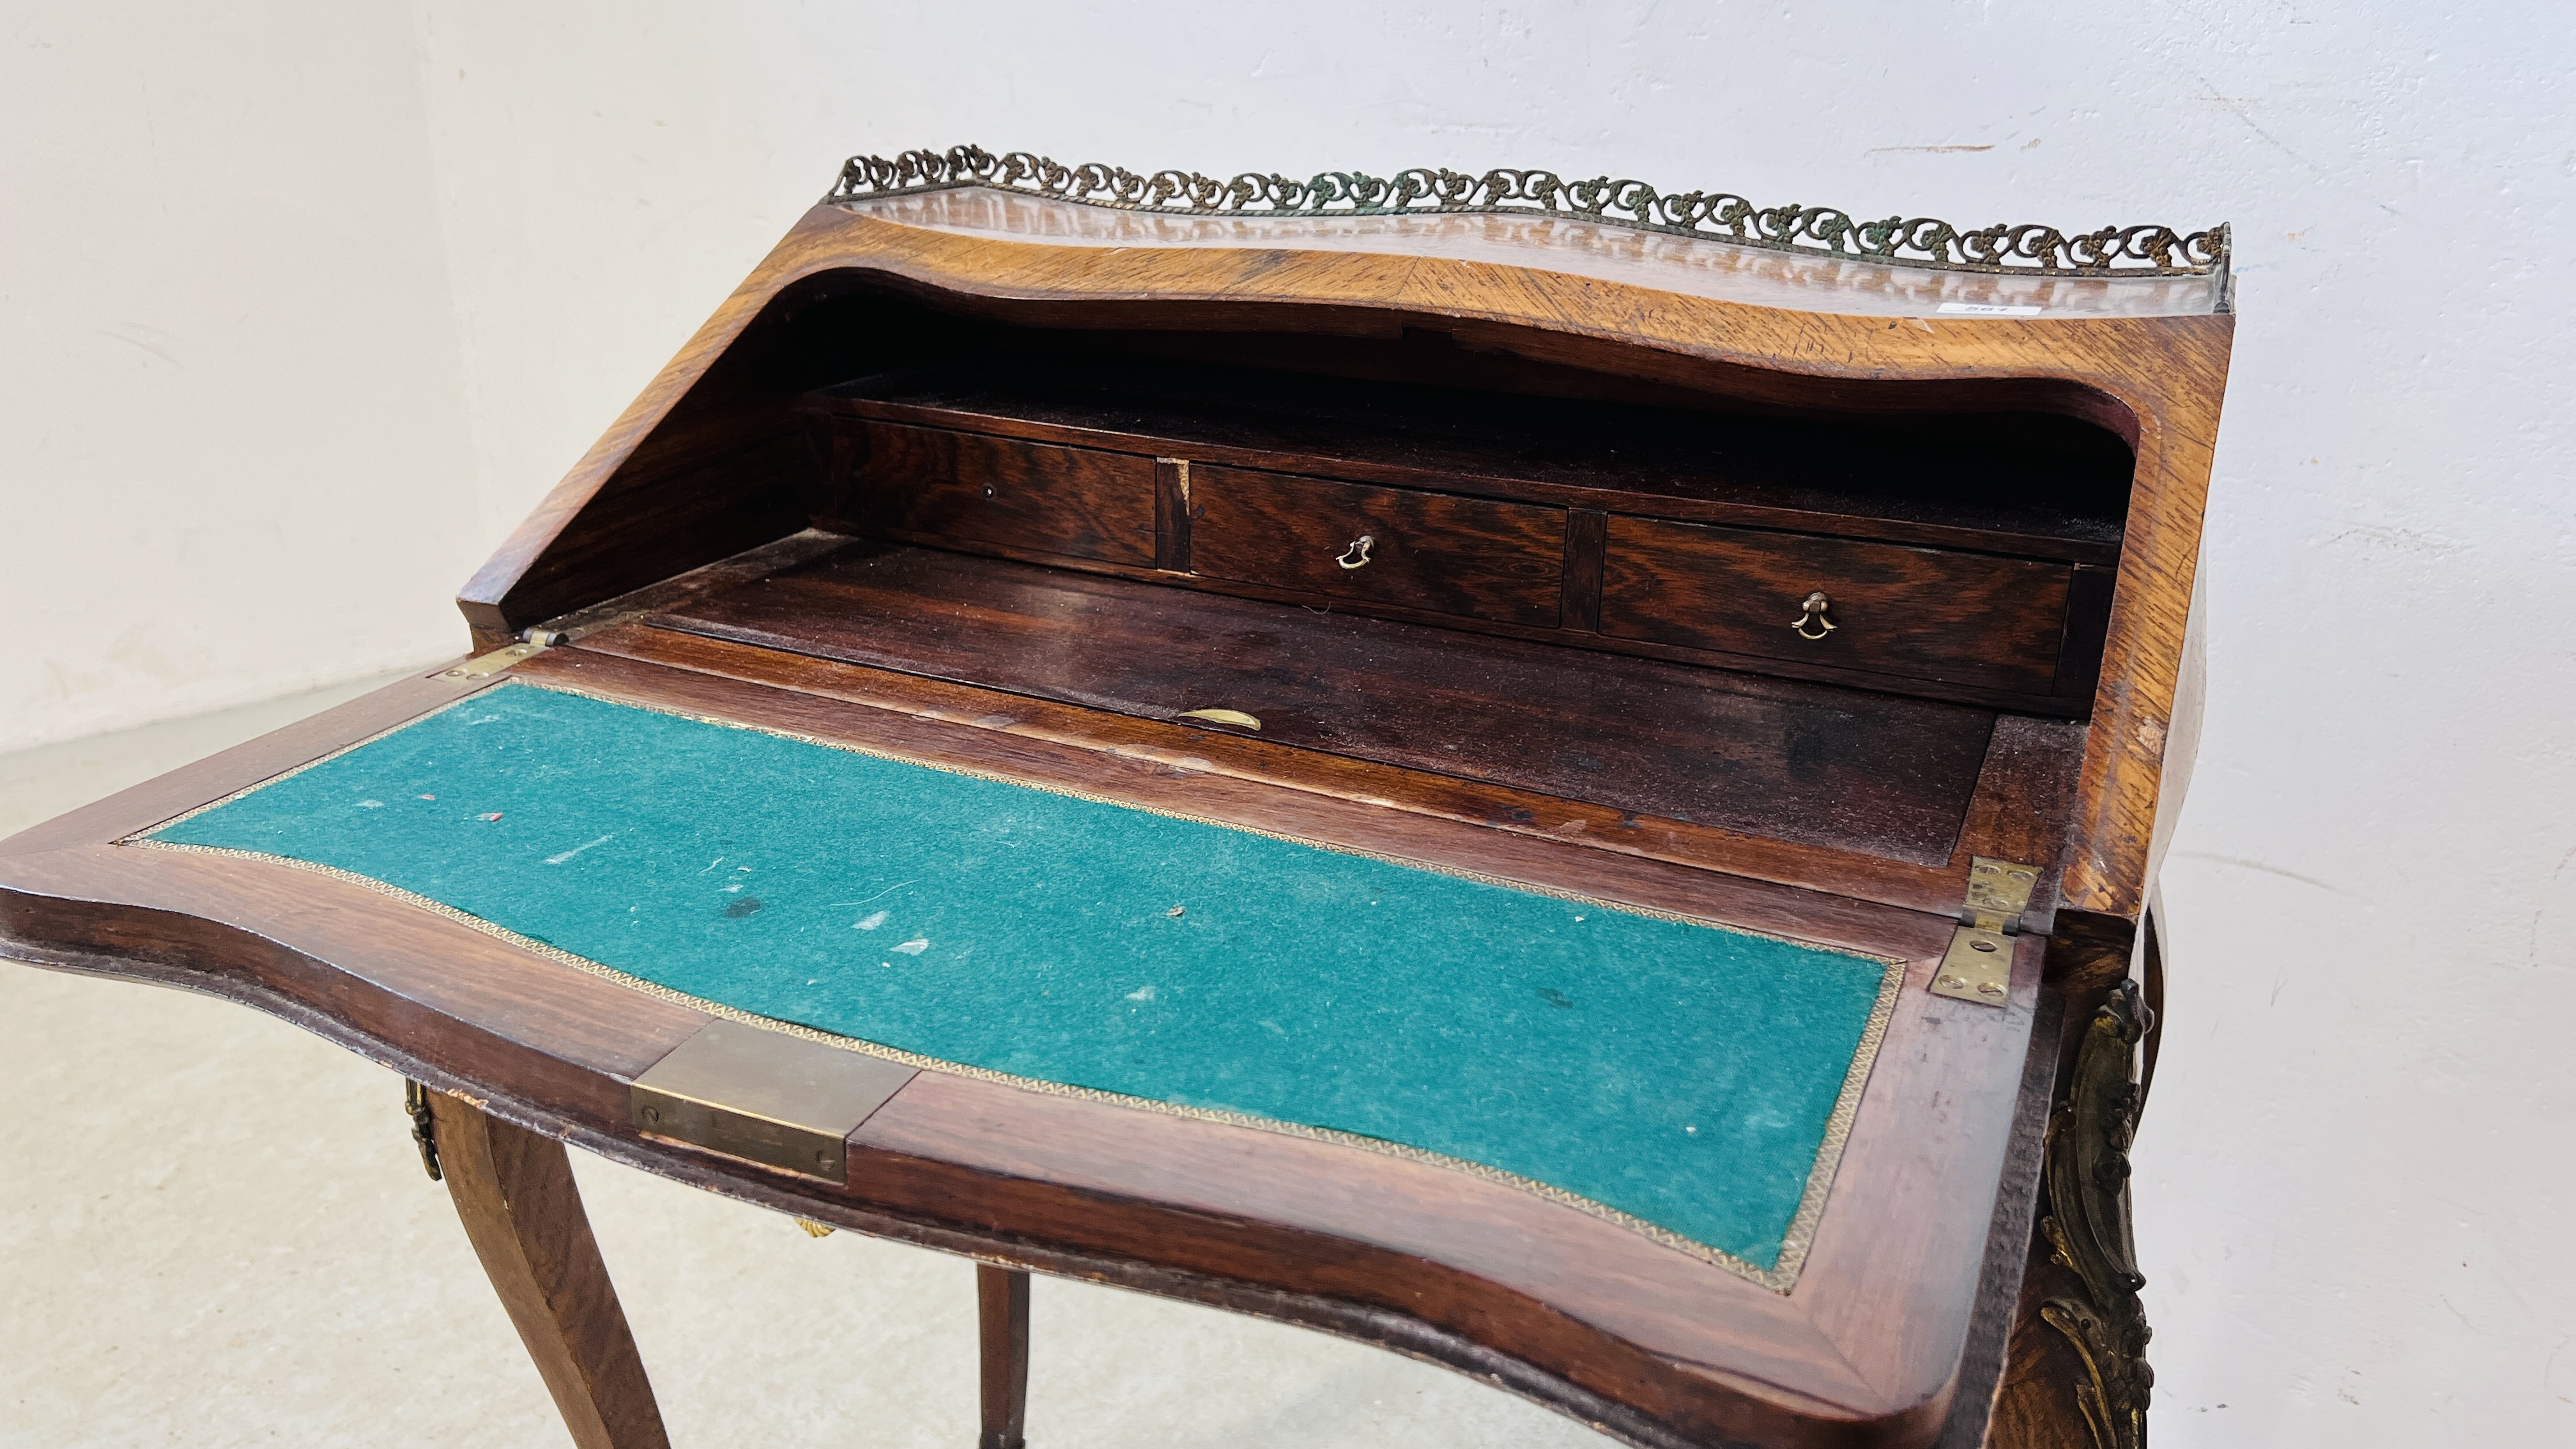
1960	618
1465	556
1001	492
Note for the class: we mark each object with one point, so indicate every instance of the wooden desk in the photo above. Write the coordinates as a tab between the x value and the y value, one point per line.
1531	549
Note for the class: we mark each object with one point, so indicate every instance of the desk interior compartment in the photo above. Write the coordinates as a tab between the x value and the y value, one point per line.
1472	557
1969	553
1010	493
1888	608
1537	723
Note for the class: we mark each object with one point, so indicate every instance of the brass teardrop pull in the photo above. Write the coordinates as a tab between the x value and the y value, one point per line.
1356	556
1813	612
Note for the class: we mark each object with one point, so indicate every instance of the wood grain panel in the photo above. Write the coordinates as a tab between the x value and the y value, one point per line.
1811	764
1077	502
1586	534
1172	515
1002	1332
1428	551
1190	748
683	511
1979	696
1482	432
2088	616
2008	1239
2023	796
1967	618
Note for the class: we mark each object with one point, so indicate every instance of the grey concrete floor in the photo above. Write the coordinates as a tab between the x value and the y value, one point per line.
214	1231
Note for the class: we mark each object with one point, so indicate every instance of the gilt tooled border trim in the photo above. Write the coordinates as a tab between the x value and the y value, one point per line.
2017	249
1779	1278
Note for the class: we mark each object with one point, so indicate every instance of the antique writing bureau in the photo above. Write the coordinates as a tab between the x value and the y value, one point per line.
1555	777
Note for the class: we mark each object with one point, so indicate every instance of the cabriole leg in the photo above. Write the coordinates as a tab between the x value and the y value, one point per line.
514	1190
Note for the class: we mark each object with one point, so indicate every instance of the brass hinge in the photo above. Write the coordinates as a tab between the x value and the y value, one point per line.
1978	965
531	641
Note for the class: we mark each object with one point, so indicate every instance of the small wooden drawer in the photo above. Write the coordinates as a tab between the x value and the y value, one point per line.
1961	618
1392	546
999	492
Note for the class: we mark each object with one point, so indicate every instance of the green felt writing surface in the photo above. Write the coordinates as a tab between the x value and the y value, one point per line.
1678	1074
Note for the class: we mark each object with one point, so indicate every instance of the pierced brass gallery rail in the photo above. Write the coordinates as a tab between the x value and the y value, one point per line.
1921	241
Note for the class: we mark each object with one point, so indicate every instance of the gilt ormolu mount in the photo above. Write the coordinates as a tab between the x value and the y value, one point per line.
1800	595
2087	1226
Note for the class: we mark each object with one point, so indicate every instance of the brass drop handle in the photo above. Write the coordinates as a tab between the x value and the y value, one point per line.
1813	612
1356	556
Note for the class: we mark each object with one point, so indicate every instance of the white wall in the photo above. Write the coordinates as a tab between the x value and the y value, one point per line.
2355	1175
232	443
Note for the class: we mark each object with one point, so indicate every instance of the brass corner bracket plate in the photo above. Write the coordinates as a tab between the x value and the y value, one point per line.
782	1101
1978	965
484	666
532	642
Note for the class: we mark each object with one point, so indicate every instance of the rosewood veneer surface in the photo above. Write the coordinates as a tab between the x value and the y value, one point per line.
1806	763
